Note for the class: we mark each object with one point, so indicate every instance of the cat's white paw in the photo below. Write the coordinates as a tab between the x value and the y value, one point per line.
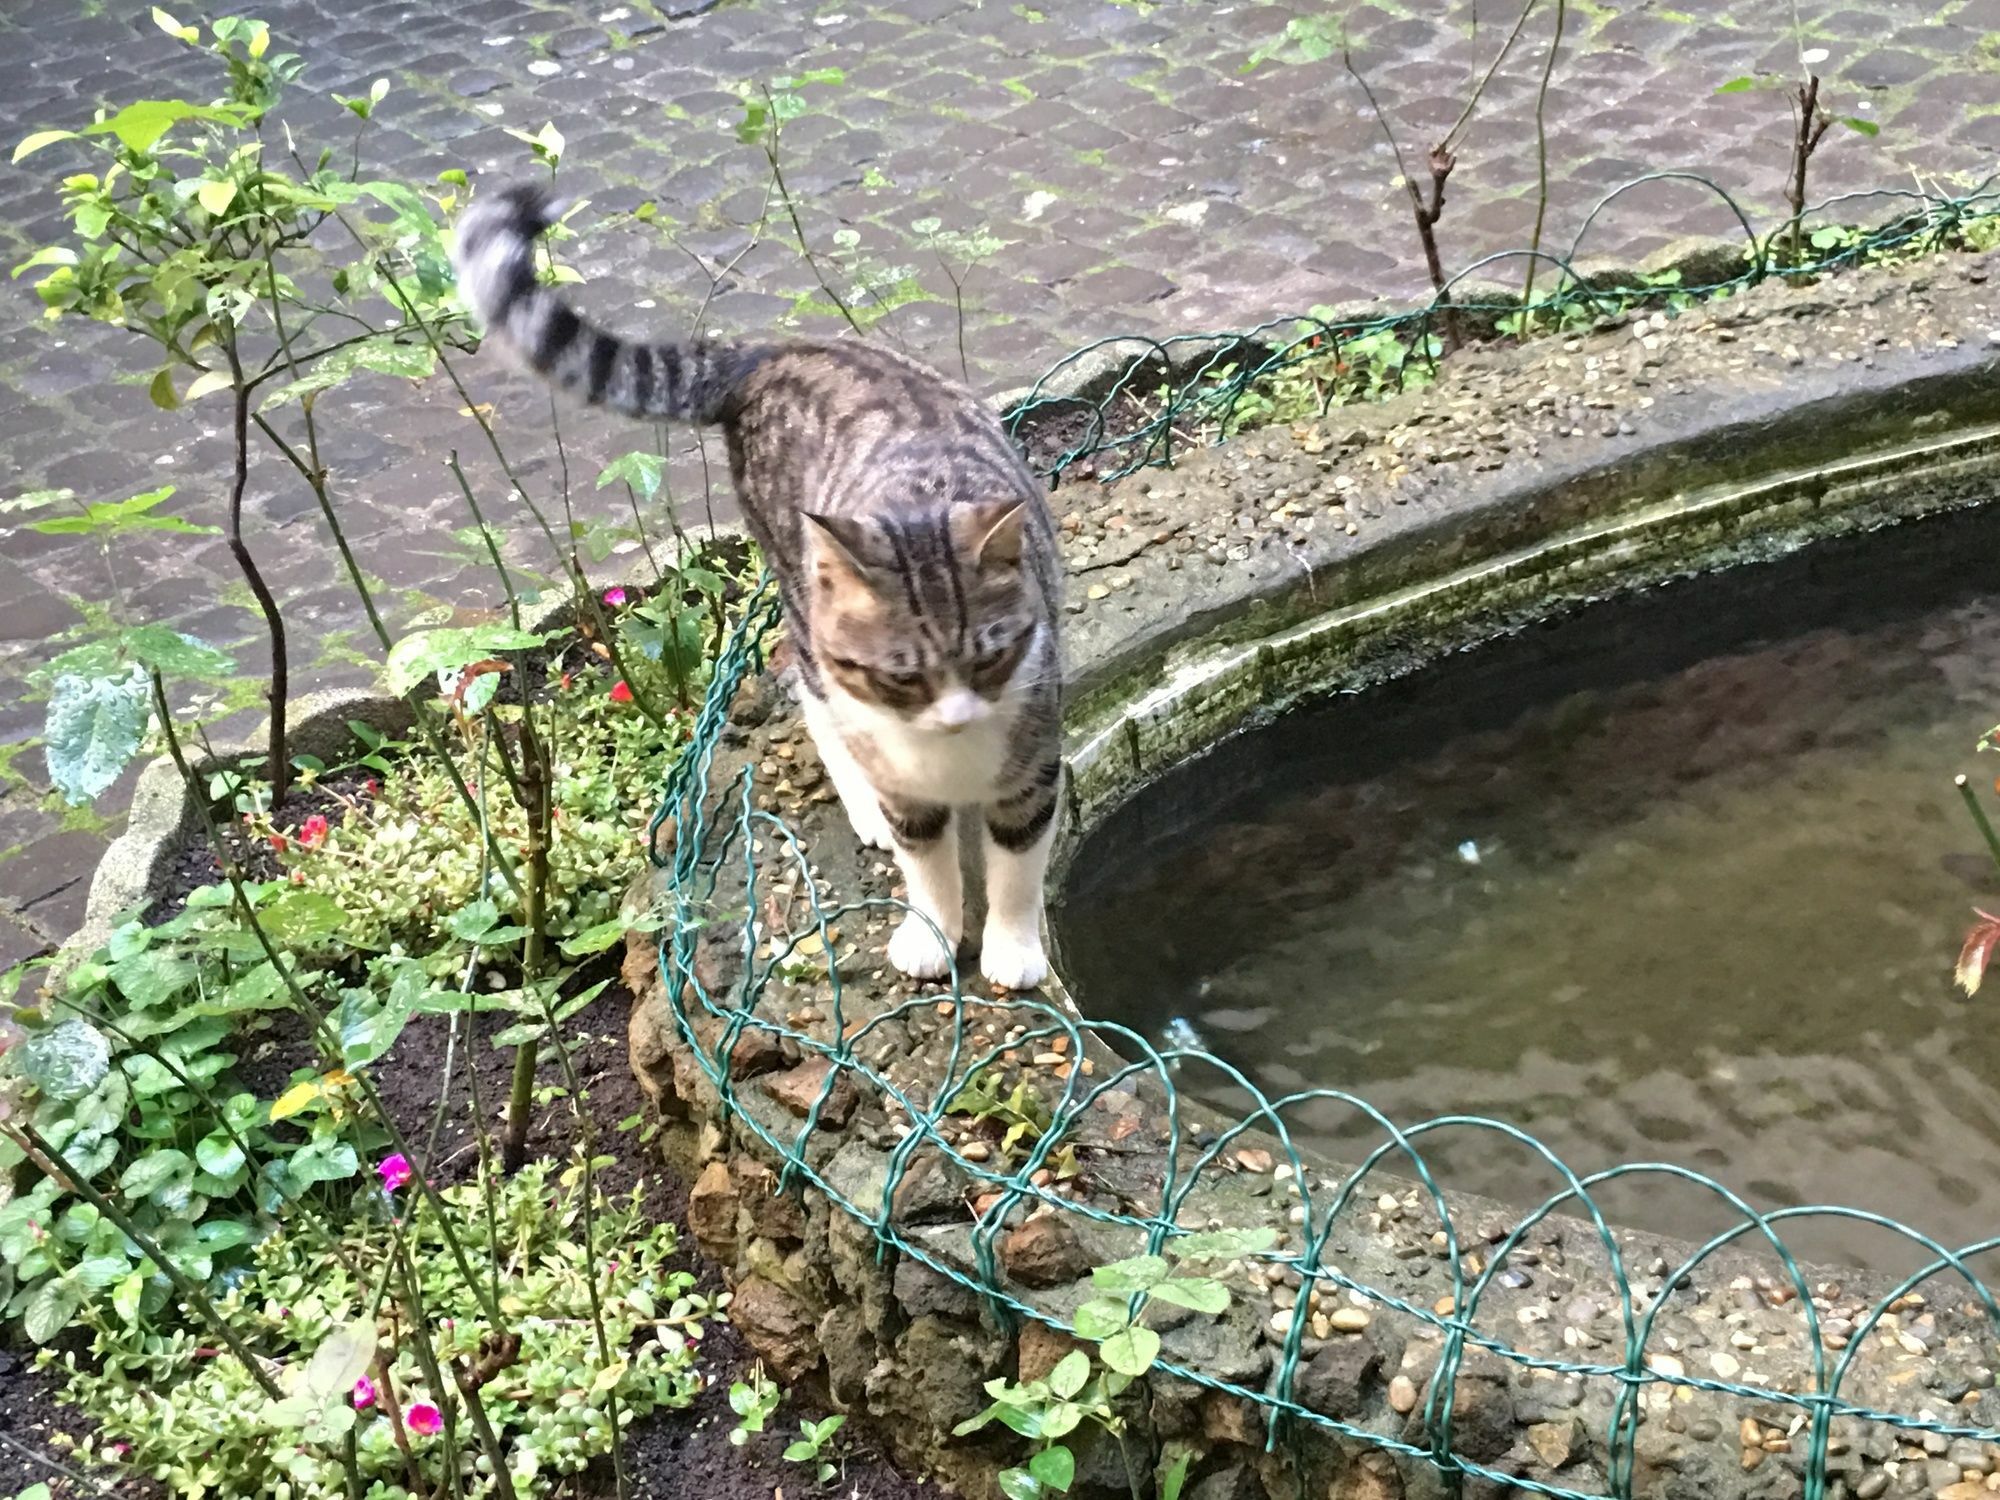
915	950
1013	963
870	827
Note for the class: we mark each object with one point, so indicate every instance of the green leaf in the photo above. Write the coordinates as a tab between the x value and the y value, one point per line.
422	655
1131	1352
1101	1317
1069	1376
1134	1275
1200	1294
341	1359
48	1312
154	1171
1054	1468
67	1061
525	1032
302	915
218	1154
93	729
1737	86
1860	126
216	196
100	1271
38	140
173	28
161	389
208	383
140	125
596	939
643	471
172	654
1019	1484
1176	1475
126	1296
323	1161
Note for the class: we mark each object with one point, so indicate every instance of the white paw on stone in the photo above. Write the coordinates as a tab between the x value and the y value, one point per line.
1013	963
870	827
916	950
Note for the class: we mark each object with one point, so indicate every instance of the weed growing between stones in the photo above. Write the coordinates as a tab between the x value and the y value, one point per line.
1047	1410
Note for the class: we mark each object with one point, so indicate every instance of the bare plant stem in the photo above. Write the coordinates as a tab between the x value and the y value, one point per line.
1980	820
1813	123
280	767
1428	213
535	778
798	228
1541	167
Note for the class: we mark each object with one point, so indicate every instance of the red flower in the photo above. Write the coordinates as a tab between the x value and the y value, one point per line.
280	843
313	832
621	692
565	682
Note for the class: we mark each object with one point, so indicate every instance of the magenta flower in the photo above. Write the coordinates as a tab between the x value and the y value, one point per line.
364	1393
614	596
395	1172
423	1419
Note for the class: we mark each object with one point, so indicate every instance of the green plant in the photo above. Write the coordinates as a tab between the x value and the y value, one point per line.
812	1446
1020	1110
753	1400
1049	1410
190	232
127	1072
348	1374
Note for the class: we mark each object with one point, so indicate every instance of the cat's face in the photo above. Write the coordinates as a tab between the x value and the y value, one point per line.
928	616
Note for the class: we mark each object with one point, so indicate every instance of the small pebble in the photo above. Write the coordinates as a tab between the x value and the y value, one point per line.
1403	1396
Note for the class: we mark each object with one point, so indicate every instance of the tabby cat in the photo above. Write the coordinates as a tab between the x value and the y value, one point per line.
917	563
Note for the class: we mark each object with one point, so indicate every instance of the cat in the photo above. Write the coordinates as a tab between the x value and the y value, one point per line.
916	560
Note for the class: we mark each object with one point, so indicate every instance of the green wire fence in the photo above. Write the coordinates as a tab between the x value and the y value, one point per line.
1144	397
718	828
726	850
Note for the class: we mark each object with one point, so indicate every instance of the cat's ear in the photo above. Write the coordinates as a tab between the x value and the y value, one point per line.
990	532
835	547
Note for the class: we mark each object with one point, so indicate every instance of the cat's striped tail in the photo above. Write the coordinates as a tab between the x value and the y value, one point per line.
690	381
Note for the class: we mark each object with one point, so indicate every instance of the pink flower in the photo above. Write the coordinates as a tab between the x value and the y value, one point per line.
395	1171
621	692
364	1393
614	597
423	1419
313	832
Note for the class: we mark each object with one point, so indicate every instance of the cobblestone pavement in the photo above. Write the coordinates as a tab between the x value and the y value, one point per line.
1141	178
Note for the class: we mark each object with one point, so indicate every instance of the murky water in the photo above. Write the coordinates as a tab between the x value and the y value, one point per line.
1680	878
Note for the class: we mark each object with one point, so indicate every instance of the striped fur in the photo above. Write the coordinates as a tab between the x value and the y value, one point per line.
917	560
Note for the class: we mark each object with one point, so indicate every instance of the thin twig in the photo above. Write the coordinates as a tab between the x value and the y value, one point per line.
1541	169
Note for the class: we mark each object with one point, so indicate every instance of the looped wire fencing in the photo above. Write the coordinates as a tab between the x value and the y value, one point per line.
1144	398
729	852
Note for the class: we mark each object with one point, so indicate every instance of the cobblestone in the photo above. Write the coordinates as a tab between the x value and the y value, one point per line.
1142	179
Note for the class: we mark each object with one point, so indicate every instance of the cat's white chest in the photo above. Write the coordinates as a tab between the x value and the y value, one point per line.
927	765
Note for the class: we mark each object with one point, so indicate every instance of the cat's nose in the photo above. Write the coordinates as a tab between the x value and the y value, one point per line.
957	707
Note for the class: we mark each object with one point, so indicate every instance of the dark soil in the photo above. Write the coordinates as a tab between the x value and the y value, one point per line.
1048	433
196	865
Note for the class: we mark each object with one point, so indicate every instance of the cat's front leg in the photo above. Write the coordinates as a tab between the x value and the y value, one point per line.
1019	833
857	796
927	854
